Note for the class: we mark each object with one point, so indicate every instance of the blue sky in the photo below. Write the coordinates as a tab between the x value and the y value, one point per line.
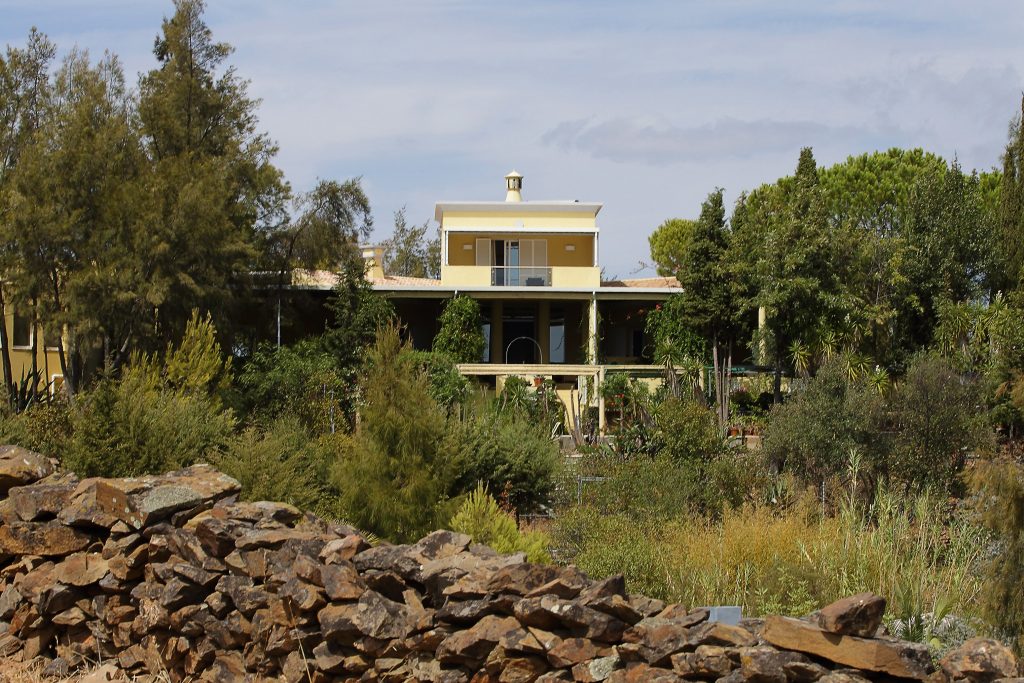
645	105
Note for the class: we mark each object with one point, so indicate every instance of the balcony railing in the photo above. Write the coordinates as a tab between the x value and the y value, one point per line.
520	276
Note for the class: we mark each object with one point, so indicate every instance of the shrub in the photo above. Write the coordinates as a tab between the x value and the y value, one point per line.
301	380
461	336
481	518
505	453
814	433
283	462
448	388
661	488
938	422
686	431
919	553
394	479
157	416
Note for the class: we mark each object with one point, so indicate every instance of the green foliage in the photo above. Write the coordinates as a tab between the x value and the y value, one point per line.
157	416
813	434
507	453
918	553
408	251
447	386
461	334
937	425
303	381
670	244
661	488
481	518
673	337
1000	489
686	431
357	312
539	404
282	462
1010	232
393	482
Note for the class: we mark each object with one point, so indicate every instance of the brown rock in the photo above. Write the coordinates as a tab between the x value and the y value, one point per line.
81	569
521	578
378	617
709	661
980	660
896	658
42	500
572	651
338	622
654	640
343	549
643	673
857	615
596	669
549	612
41	538
474	644
20	466
716	633
842	677
522	670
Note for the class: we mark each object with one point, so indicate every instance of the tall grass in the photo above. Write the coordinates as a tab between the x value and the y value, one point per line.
922	555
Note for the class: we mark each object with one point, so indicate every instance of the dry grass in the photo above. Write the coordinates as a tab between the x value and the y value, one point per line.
916	553
32	672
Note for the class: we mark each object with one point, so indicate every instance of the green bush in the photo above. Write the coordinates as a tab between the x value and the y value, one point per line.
301	380
448	388
938	422
283	462
661	488
602	545
481	518
510	455
394	479
157	416
686	431
814	434
461	336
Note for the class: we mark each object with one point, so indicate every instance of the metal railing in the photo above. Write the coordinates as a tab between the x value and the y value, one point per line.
520	276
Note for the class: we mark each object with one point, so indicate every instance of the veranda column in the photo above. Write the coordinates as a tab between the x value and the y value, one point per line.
497	332
544	330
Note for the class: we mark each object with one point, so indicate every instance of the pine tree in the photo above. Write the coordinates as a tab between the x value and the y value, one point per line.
709	300
215	193
792	262
394	481
1011	214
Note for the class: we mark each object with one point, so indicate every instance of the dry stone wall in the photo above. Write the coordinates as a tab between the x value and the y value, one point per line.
173	577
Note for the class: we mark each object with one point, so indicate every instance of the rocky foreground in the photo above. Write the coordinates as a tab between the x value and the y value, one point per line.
172	577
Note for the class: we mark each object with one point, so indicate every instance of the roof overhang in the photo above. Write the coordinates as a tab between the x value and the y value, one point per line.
569	207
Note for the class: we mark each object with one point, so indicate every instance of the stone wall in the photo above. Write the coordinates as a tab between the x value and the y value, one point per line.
171	576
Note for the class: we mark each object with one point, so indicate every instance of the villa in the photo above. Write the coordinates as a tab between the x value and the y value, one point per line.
534	266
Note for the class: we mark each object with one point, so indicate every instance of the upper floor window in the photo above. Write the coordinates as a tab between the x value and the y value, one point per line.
21	336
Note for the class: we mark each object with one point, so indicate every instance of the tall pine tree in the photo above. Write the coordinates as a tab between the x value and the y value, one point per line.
215	193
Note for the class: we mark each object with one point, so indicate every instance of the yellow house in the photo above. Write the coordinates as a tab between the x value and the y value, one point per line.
29	353
534	266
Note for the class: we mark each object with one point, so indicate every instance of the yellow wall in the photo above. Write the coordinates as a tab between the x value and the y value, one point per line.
581	257
47	359
549	220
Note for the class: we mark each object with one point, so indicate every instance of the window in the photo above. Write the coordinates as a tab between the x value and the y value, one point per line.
483	251
22	334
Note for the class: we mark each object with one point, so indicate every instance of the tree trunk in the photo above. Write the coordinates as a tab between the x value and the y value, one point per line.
5	349
65	366
777	397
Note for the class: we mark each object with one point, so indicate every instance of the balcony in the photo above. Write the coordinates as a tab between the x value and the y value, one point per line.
520	276
566	277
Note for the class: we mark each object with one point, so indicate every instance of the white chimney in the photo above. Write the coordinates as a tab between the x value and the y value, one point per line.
514	185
